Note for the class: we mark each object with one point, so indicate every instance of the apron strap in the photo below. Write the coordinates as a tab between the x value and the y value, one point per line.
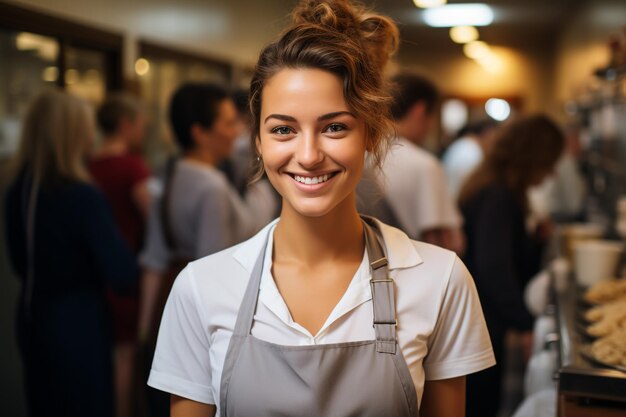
383	294
245	317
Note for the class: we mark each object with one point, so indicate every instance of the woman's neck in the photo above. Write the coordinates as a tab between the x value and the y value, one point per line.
336	235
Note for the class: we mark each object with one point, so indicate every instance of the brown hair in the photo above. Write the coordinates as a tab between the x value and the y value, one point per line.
57	133
115	108
343	39
524	149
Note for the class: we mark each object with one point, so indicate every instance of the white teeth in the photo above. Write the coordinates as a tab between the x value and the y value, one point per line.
312	180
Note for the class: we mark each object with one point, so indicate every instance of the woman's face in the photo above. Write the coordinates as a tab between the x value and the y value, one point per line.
312	145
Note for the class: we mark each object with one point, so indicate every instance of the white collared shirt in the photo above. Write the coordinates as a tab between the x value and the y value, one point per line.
416	190
441	328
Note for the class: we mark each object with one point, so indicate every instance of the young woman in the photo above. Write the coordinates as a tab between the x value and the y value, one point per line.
501	255
322	313
65	248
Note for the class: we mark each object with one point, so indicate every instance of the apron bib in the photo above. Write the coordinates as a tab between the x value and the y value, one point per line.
365	378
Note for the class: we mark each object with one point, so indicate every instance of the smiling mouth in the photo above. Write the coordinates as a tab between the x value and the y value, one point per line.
313	180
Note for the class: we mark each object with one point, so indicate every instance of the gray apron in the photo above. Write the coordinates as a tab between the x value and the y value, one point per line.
365	379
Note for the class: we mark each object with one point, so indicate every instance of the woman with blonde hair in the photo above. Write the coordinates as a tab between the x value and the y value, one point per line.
65	249
501	255
323	312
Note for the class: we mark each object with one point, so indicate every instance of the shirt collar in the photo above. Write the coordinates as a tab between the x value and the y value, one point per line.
401	252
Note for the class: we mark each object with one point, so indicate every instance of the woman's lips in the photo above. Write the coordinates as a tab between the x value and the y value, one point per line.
310	183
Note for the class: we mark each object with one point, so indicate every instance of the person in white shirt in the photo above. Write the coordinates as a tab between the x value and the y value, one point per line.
413	181
466	153
323	312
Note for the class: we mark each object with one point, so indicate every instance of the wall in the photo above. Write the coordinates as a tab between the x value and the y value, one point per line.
524	73
235	32
582	47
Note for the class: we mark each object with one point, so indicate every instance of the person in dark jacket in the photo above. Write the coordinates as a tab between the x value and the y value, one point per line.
65	248
501	254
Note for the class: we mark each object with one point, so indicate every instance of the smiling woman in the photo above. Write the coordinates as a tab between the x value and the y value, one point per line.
322	300
311	144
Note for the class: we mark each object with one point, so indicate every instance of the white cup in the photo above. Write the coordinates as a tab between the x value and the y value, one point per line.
596	260
574	233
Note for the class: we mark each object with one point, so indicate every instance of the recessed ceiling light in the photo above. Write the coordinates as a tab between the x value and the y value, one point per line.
476	49
425	4
463	34
468	14
142	66
498	109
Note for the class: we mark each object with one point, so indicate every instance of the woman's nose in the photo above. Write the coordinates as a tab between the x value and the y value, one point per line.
309	153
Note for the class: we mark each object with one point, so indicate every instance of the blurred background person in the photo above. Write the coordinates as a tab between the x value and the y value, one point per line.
467	152
242	156
562	196
414	183
501	255
66	249
120	172
200	212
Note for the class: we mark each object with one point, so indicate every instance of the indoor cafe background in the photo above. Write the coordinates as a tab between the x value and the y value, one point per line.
540	56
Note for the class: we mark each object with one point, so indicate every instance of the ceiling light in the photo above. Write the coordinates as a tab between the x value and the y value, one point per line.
50	74
476	49
491	62
142	66
463	34
425	4
71	76
498	109
469	14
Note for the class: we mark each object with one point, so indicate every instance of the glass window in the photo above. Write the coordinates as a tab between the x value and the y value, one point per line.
85	73
29	64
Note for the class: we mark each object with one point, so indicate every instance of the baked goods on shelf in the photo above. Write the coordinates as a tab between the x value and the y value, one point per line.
606	318
606	291
611	349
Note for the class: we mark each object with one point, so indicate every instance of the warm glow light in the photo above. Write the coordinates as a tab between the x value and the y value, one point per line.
50	74
46	48
491	62
425	4
498	109
71	76
468	14
464	34
142	66
476	49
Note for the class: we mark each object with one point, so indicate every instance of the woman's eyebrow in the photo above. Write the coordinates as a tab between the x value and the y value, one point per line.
323	117
334	114
282	117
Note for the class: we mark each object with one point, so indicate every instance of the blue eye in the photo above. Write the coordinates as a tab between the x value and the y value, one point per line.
282	130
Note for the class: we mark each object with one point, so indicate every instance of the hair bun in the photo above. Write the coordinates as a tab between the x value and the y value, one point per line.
378	34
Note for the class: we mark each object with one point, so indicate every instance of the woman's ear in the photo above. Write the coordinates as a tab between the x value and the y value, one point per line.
257	145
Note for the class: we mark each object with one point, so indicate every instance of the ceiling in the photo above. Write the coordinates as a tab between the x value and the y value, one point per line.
517	23
237	29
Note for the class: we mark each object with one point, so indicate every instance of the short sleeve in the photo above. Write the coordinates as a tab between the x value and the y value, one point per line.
459	344
181	364
433	201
